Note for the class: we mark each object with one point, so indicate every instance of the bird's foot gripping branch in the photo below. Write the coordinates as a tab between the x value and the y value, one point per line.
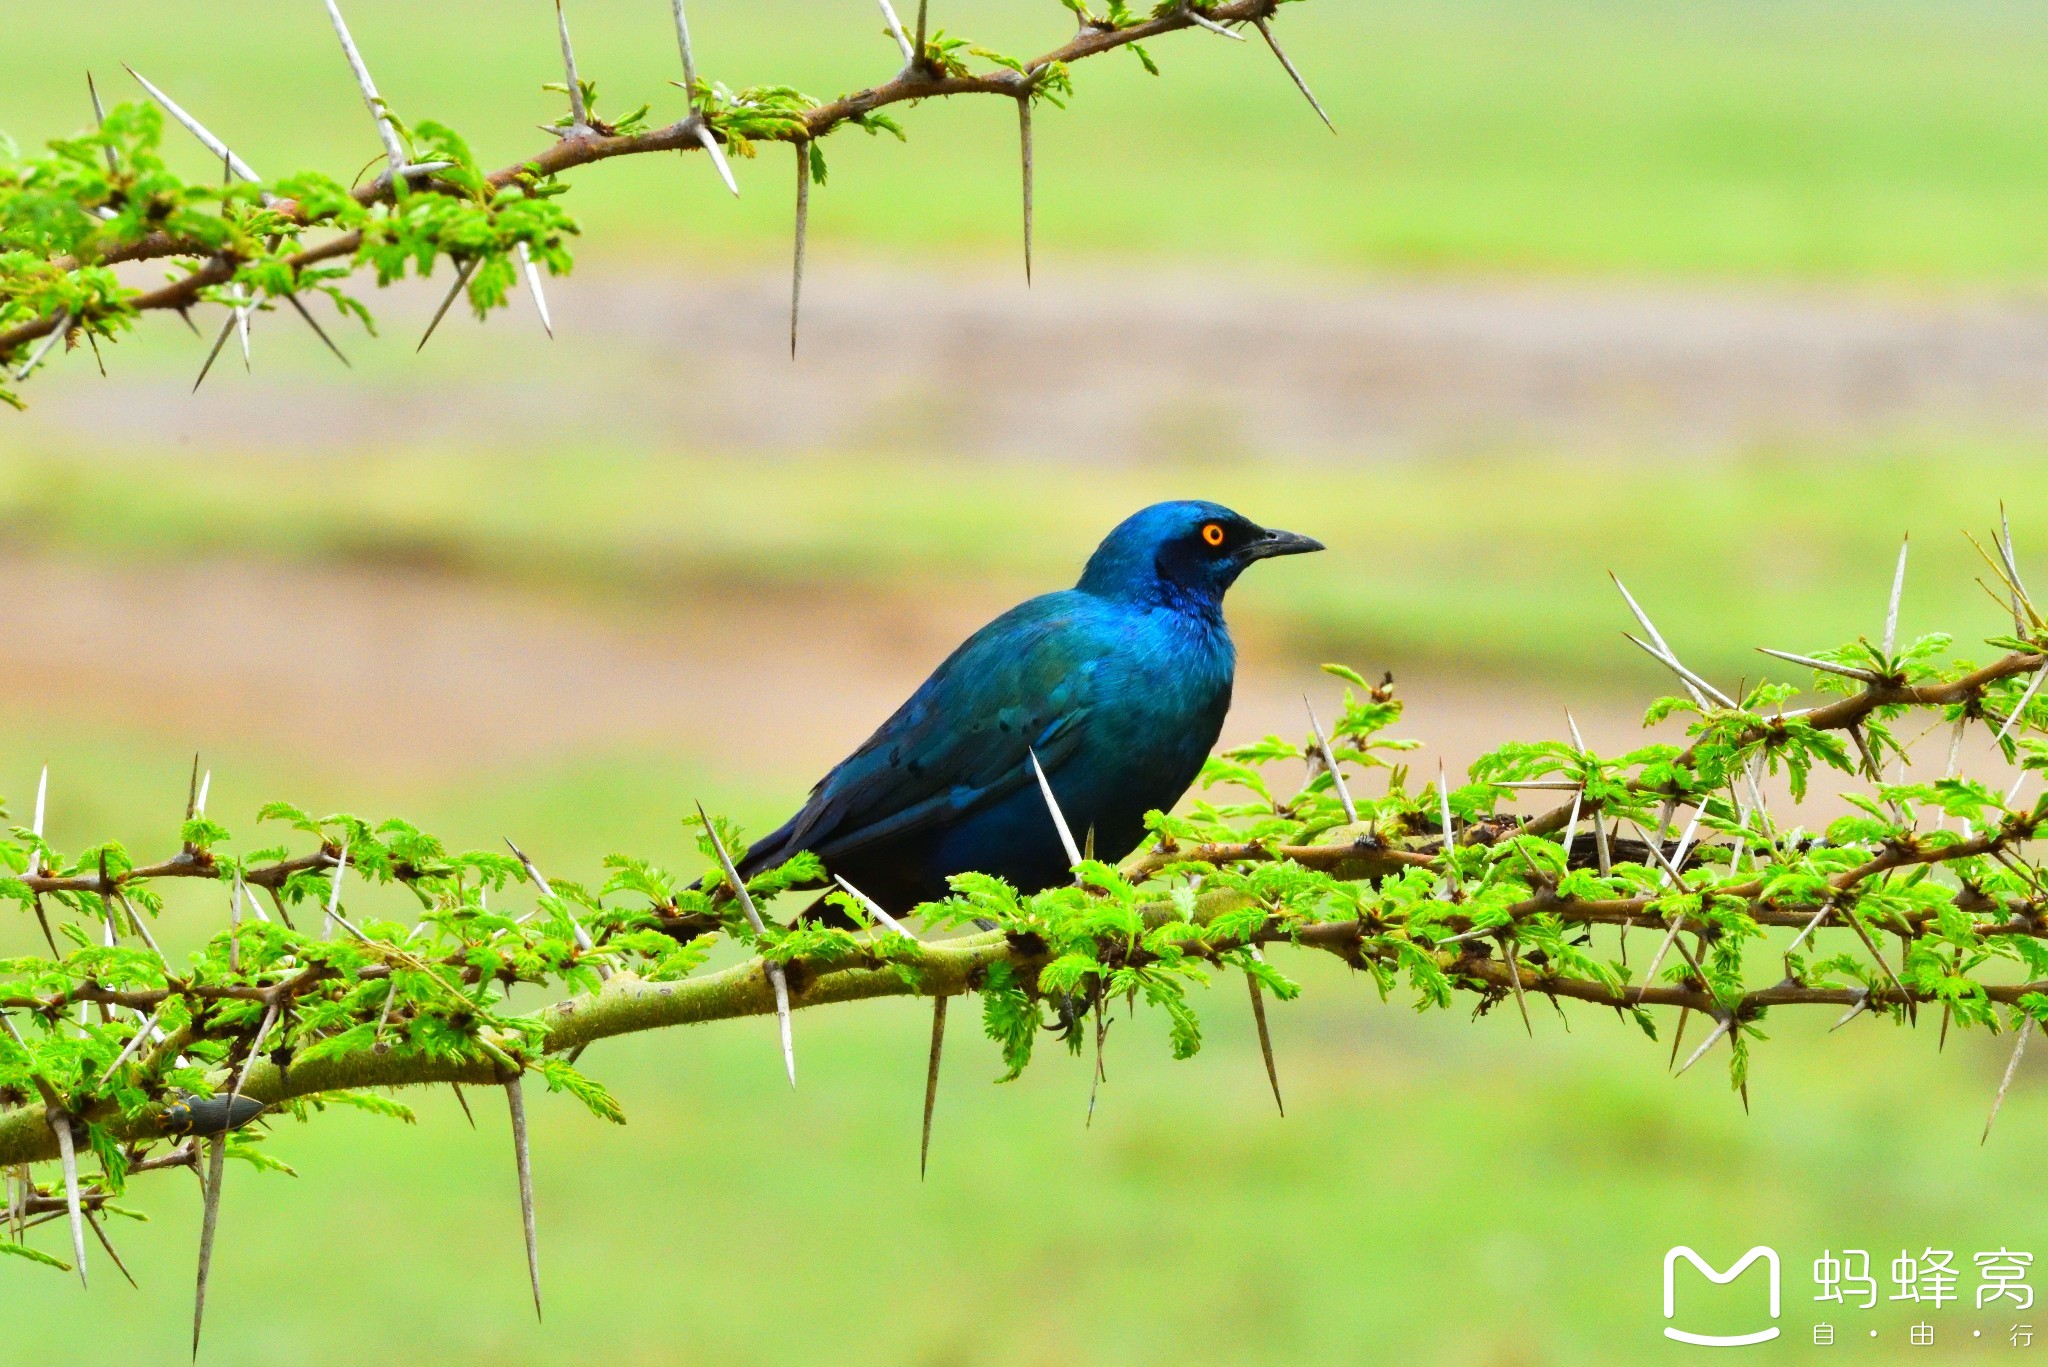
308	990
72	218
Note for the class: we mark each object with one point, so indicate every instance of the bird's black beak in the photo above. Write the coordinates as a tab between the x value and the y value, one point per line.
1271	542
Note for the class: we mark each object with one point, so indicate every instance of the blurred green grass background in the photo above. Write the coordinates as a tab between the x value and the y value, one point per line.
1441	1191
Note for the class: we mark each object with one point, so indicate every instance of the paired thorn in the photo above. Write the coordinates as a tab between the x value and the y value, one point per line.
334	892
461	278
1722	1027
299	307
1507	954
216	1174
1862	1005
99	115
709	142
874	908
1450	843
522	1153
195	128
1891	616
255	1052
896	31
689	61
108	1245
1059	818
55	335
1258	997
579	117
2033	687
931	1080
1266	32
1204	21
68	1150
776	977
1694	684
393	148
1024	155
1824	666
540	300
1330	763
2012	1066
232	322
803	222
142	1032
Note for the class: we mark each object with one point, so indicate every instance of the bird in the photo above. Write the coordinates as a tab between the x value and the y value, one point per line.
1115	688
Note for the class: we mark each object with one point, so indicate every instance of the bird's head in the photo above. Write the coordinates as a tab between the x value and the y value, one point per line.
1183	550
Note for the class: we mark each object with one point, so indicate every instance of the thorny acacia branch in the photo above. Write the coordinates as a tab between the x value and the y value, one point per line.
127	1057
60	283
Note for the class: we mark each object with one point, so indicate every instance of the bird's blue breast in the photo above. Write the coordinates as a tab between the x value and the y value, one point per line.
1154	704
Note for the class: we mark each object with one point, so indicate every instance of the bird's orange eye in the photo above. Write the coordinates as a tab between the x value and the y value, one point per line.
1212	532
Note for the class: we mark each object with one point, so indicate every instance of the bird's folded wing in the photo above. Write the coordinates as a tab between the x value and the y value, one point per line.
963	740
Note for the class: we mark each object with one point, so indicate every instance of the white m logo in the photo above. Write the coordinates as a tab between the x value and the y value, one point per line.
1720	1279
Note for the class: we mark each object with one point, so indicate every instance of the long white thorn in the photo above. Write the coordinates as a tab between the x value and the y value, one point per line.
1266	32
522	1153
1450	845
931	1080
1204	21
540	300
717	154
1059	818
241	320
393	148
2020	710
299	307
462	273
195	128
803	223
1891	616
776	977
142	1032
55	335
220	340
68	1151
896	29
1571	824
579	117
874	908
35	859
2012	1066
1862	1005
235	891
1330	763
216	1175
99	114
583	940
1025	157
1726	1024
1824	666
689	60
1694	684
1265	1038
255	1051
334	892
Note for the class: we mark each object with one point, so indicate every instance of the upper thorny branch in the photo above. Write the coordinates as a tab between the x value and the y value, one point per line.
73	215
